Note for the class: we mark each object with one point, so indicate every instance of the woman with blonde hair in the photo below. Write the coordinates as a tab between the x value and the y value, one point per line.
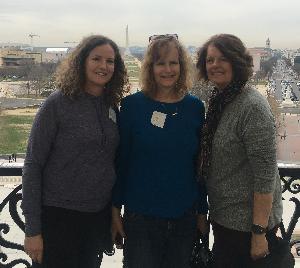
69	170
157	182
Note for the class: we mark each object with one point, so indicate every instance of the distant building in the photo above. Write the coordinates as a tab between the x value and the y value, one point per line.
297	61
260	54
268	44
256	61
16	57
15	46
138	52
263	52
55	54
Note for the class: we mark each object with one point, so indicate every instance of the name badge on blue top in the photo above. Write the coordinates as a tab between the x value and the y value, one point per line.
158	119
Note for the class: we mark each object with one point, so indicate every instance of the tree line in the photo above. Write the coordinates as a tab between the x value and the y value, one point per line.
37	79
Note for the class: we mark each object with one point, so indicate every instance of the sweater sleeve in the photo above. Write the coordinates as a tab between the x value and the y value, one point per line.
39	145
259	138
123	153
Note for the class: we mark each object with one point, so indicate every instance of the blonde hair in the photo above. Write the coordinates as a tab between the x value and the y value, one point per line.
153	54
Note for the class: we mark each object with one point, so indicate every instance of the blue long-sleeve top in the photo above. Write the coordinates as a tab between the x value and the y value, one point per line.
157	165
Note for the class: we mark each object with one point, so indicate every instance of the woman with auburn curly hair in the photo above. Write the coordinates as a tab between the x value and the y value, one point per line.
69	170
157	182
238	158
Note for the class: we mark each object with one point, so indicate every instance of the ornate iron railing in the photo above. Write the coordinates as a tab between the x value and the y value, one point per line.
290	177
289	173
11	201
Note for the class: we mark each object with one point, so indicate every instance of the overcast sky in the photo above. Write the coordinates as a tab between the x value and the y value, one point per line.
59	21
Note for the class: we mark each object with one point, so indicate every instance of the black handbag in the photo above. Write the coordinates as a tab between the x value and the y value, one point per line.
201	255
280	256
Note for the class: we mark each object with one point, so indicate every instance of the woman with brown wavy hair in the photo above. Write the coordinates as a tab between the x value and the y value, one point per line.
69	170
238	157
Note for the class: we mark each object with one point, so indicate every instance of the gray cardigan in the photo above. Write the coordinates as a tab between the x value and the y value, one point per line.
244	162
70	157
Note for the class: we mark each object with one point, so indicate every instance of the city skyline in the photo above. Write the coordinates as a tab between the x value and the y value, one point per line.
56	22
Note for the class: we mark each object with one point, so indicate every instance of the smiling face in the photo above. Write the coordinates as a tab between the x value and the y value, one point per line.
99	69
218	68
166	69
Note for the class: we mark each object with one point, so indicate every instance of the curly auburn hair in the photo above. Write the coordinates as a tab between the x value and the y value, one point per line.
70	74
156	50
234	51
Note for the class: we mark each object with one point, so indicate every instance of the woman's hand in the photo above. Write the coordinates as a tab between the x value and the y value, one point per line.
33	246
117	229
262	206
259	246
202	224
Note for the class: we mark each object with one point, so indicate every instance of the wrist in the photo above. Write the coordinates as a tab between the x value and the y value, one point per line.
258	229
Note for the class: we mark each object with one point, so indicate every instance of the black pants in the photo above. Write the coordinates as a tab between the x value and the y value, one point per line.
74	239
232	248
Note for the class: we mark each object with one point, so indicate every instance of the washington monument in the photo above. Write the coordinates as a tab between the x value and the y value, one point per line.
127	51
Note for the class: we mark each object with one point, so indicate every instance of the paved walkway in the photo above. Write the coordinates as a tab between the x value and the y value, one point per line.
288	141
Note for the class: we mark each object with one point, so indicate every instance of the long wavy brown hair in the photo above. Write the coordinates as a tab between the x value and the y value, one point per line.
156	49
70	74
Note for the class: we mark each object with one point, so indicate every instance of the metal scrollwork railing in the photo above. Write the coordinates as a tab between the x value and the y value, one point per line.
12	202
290	178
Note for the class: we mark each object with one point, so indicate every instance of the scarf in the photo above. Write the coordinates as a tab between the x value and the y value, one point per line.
216	105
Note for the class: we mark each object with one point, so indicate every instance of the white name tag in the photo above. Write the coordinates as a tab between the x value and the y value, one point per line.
158	119
112	115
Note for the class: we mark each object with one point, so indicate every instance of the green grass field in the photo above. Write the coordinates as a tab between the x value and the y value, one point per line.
14	132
